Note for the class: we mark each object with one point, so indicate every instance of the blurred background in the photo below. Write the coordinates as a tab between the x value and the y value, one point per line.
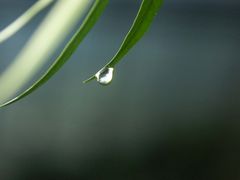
172	111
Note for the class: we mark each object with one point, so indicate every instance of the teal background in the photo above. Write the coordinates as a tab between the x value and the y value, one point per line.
171	112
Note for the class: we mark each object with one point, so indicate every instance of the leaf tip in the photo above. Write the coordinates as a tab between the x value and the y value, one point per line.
89	79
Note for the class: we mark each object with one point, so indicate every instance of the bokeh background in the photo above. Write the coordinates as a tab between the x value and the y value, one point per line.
172	111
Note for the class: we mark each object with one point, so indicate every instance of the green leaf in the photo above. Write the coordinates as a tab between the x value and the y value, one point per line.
23	19
91	18
147	11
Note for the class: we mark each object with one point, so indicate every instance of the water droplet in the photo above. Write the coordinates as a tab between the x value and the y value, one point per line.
105	75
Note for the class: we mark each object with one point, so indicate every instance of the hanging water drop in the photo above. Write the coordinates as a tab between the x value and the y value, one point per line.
105	75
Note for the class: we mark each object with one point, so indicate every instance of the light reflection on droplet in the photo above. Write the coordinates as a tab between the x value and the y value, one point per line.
105	75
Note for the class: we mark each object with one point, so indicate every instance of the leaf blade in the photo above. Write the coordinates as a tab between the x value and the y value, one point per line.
22	20
141	24
86	26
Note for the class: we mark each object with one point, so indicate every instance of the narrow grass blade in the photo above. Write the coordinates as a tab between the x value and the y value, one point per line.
143	20
23	19
91	18
50	33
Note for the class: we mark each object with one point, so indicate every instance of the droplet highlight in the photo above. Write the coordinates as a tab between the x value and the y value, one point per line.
105	75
